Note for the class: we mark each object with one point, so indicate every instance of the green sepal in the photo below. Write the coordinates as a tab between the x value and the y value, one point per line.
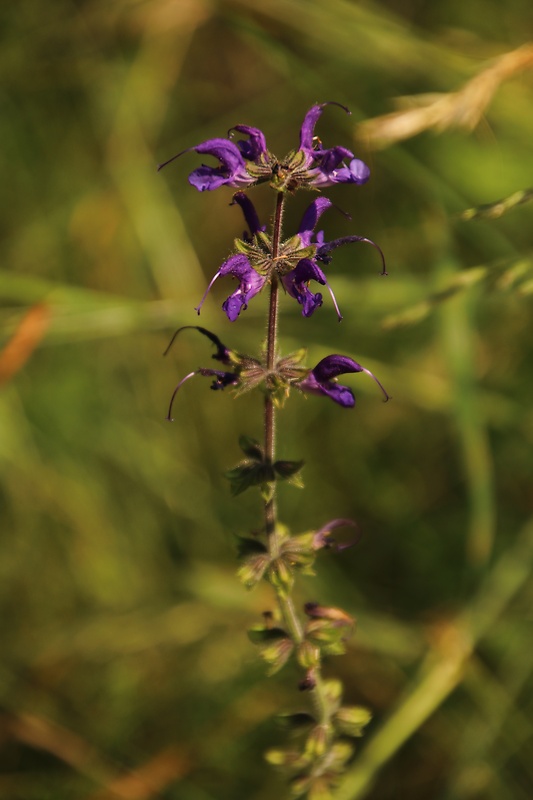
327	635
320	790
295	721
292	360
264	241
259	634
261	170
241	246
317	741
332	693
293	247
300	785
299	553
267	491
288	759
276	653
251	448
339	755
308	655
350	720
253	569
287	470
281	576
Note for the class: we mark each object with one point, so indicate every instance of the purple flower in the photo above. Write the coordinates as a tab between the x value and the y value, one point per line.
322	379
244	373
247	161
298	261
250	284
326	167
221	378
230	172
296	283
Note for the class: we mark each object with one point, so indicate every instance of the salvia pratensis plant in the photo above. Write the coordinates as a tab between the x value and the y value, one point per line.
266	258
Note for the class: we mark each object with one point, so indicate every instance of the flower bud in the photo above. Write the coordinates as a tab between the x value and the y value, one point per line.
350	720
308	655
317	741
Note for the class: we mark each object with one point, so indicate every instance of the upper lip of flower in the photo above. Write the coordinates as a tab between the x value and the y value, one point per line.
322	379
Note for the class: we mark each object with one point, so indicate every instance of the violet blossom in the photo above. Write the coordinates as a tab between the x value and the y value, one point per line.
299	260
247	161
322	379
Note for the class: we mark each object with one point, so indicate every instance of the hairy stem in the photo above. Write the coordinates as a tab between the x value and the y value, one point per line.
272	339
286	603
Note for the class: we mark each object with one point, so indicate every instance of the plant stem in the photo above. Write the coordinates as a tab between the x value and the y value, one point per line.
272	338
286	604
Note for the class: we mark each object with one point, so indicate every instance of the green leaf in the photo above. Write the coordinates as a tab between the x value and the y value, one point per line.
248	474
295	721
258	634
287	469
251	448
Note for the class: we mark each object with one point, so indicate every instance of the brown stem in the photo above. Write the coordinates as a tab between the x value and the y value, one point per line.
272	336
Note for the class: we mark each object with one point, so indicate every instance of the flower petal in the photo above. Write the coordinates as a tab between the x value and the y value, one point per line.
231	171
295	282
250	214
310	219
250	284
307	131
255	147
334	365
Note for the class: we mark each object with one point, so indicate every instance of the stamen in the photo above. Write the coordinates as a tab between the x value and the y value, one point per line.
200	304
334	103
169	417
380	251
174	337
330	290
386	394
164	164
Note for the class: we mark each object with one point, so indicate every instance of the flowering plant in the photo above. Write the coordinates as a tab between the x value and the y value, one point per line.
274	554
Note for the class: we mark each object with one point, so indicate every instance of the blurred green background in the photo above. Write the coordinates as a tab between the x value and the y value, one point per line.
125	669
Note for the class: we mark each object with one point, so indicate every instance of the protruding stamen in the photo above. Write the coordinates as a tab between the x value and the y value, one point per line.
335	103
386	394
164	164
336	305
380	251
174	393
200	304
